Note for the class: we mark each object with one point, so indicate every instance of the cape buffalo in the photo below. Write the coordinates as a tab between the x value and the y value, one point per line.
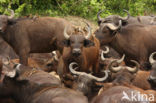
24	91
42	35
152	76
136	41
124	74
85	82
35	75
81	49
147	20
123	94
105	61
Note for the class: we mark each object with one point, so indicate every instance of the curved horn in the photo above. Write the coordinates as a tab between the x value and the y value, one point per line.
98	15
151	59
128	15
153	21
112	26
65	33
55	55
12	14
104	52
96	78
122	59
72	70
89	31
114	69
10	74
135	69
6	61
89	75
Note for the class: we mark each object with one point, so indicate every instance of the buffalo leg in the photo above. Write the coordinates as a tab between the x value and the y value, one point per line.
142	62
96	68
60	67
24	58
143	65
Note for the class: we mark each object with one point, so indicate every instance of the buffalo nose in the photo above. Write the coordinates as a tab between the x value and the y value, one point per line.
76	51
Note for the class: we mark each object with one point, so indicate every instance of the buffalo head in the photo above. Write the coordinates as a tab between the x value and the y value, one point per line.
51	64
5	20
123	74
112	18
8	80
85	82
107	31
152	77
77	41
104	62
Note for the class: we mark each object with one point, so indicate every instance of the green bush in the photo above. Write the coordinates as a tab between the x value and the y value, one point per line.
83	8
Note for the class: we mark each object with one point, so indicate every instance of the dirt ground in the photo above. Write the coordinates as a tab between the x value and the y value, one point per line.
78	21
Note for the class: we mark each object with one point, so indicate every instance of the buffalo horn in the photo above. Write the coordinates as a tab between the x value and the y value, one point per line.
104	52
55	55
89	31
134	69
89	75
112	26
128	15
6	61
151	59
121	60
12	14
98	15
114	69
65	33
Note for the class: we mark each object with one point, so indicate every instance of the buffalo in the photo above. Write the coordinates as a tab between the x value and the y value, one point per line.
6	50
152	75
35	75
147	20
122	74
123	84
136	41
45	61
124	94
105	61
112	19
85	82
80	49
42	35
25	91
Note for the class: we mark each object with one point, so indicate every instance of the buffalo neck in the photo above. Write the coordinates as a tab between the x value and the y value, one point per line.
115	43
5	35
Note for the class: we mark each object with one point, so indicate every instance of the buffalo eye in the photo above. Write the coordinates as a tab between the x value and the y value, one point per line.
66	43
88	43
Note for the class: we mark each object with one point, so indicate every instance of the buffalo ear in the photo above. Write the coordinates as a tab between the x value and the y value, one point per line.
66	43
88	43
124	22
99	22
11	21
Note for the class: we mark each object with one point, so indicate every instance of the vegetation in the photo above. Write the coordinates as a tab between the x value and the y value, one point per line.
83	8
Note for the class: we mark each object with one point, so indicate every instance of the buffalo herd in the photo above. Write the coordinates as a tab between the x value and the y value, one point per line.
50	60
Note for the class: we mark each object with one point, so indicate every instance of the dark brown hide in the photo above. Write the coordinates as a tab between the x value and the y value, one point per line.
87	61
23	91
40	36
6	50
135	41
115	95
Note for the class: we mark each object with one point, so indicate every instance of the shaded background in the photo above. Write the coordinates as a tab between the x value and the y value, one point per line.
83	8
